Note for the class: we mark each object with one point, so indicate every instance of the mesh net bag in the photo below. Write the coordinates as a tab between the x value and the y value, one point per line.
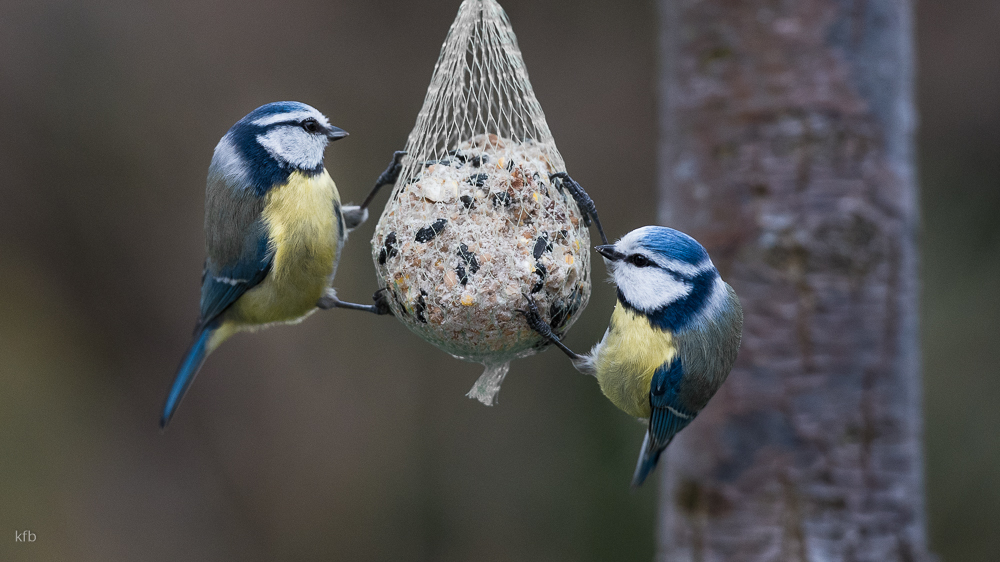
474	221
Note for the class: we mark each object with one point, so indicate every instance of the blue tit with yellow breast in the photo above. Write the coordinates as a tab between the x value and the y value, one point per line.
674	334
274	229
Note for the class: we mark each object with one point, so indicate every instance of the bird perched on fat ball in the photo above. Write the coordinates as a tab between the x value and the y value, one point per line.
674	334
274	229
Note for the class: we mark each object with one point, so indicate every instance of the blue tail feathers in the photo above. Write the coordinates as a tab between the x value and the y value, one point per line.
648	457
190	366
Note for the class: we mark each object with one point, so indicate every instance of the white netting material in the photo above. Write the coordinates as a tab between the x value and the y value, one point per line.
474	221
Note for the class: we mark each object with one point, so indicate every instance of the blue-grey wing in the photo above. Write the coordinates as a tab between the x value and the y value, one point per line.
237	244
222	285
667	417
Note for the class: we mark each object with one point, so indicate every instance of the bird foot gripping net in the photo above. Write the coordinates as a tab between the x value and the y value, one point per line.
476	220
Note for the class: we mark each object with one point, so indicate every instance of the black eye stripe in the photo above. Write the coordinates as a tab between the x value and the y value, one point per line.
679	277
289	123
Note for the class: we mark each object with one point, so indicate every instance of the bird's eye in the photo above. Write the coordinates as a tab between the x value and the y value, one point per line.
639	260
311	126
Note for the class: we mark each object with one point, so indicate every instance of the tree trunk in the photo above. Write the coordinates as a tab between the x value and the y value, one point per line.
787	150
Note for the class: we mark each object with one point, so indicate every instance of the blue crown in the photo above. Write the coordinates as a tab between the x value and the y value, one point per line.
273	108
673	243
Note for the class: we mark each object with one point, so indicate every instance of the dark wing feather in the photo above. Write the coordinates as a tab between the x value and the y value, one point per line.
223	285
667	417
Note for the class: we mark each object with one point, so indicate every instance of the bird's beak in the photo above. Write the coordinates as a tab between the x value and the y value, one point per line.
609	252
335	133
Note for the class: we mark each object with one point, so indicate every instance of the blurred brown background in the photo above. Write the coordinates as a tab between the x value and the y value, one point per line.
346	437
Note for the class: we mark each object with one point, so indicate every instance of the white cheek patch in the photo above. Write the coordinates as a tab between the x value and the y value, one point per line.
649	288
227	163
295	146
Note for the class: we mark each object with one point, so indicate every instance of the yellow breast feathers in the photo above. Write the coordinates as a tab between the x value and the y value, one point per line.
631	352
303	233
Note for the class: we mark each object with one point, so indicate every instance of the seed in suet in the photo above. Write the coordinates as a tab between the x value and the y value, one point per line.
421	307
500	198
541	272
469	258
427	233
438	189
389	249
541	246
477	179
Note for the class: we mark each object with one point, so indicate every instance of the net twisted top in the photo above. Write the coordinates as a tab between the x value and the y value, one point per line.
480	86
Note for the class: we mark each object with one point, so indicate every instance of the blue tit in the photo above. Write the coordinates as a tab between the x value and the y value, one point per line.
673	338
274	229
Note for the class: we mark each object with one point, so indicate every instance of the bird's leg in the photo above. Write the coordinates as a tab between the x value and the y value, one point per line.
389	176
329	300
535	322
586	204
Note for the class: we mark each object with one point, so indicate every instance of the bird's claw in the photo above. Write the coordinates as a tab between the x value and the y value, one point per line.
389	176
534	318
587	207
381	298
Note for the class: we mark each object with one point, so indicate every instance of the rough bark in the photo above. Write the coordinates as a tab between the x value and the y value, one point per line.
787	132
